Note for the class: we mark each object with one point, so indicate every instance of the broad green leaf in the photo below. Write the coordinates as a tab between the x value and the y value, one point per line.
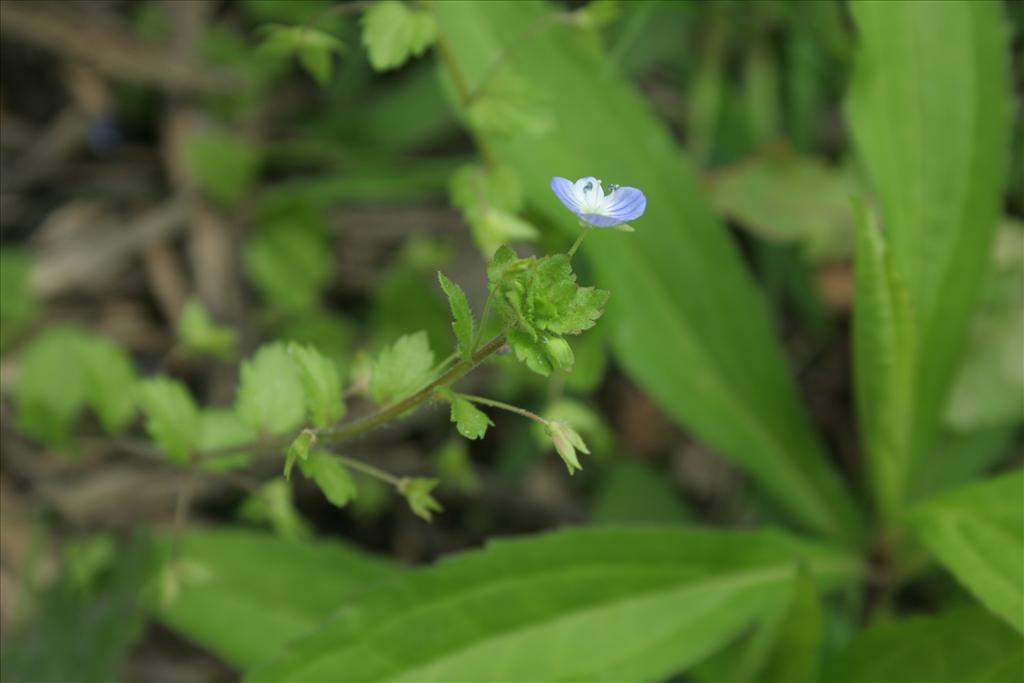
172	419
270	397
401	368
331	476
884	351
990	381
225	166
52	385
930	112
462	316
795	654
977	533
470	421
686	321
392	32
633	492
254	592
952	647
110	379
321	383
785	198
200	334
84	623
961	457
641	603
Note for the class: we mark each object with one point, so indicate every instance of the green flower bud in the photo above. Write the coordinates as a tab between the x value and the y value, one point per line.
559	352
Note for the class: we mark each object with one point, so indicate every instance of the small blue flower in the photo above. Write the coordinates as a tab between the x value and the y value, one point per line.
586	199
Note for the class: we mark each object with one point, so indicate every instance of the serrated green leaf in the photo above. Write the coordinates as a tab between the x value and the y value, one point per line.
952	647
289	264
508	107
581	313
462	316
489	199
470	421
314	48
530	351
401	368
110	379
884	362
258	591
526	609
172	419
331	476
936	150
977	533
321	383
298	451
222	428
51	387
200	334
723	376
270	396
417	493
392	32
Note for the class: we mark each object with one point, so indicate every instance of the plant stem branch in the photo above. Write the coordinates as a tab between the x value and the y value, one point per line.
370	470
579	241
505	406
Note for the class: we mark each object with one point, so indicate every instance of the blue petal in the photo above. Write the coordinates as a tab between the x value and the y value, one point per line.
565	190
625	204
599	221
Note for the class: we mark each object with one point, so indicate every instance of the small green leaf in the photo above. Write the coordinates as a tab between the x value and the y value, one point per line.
470	421
401	368
331	476
51	387
462	316
322	384
172	418
417	493
225	165
567	441
110	379
530	351
221	428
17	303
270	396
298	451
289	264
275	505
508	107
559	353
977	532
392	33
313	47
200	334
490	199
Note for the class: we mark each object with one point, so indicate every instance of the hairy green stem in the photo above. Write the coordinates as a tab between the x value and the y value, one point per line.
579	241
505	406
370	470
345	431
